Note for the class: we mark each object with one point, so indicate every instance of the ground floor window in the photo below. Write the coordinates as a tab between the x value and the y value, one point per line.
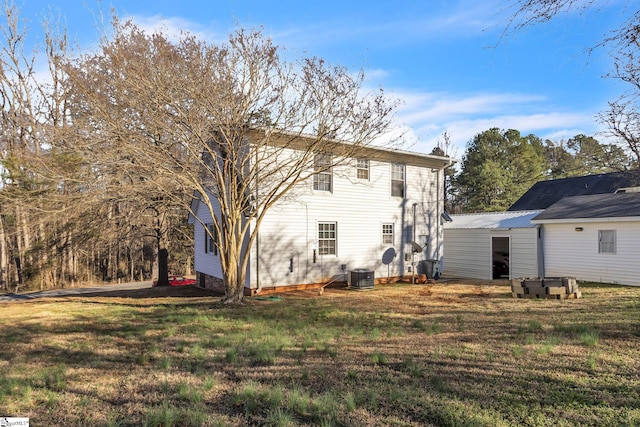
607	241
327	238
387	234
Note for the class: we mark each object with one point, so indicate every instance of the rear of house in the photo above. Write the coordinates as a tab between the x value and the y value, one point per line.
363	214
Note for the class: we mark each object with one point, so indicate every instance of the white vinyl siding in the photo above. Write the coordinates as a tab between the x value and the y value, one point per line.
467	252
607	241
205	261
397	180
571	253
290	229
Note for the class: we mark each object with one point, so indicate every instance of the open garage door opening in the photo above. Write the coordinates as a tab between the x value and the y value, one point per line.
500	250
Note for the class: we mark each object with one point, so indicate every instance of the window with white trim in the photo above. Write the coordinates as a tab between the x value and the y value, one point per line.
362	169
323	178
607	241
210	240
327	238
397	180
387	234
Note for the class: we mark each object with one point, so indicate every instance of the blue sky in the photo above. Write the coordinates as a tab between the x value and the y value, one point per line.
444	59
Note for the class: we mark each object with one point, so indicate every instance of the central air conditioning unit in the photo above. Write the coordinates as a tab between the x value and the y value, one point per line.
361	278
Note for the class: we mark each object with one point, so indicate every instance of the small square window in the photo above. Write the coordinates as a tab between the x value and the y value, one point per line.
607	241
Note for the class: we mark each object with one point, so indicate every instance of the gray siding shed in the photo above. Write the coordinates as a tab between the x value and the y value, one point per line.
474	242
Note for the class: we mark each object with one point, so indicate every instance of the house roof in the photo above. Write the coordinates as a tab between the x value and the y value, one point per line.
595	206
493	220
545	193
367	150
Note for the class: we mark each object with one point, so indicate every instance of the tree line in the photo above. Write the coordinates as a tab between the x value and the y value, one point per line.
66	215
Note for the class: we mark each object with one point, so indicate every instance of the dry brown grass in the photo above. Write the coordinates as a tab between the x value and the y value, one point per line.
451	353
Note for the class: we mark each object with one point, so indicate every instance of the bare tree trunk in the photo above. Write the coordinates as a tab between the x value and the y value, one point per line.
3	257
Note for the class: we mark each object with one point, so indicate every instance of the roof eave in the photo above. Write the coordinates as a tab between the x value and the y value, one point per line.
594	220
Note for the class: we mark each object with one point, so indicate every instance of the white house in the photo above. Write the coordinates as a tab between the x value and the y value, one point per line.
363	214
593	238
493	245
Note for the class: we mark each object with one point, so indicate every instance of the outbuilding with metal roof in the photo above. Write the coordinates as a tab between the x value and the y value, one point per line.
493	245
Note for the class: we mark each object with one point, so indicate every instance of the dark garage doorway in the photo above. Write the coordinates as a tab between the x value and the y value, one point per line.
500	255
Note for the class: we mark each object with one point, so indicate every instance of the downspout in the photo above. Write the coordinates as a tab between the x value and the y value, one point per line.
306	269
438	219
438	213
413	254
258	262
257	235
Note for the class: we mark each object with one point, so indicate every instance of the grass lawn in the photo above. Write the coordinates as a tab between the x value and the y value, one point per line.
452	354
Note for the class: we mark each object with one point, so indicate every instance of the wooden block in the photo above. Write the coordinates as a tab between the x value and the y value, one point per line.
517	289
557	290
535	290
570	284
553	283
574	295
532	282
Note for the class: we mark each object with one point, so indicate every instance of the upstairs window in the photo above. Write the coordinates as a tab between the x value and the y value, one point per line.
323	178
397	180
327	238
210	240
607	241
387	234
362	169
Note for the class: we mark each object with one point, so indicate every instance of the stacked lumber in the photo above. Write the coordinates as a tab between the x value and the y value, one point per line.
548	287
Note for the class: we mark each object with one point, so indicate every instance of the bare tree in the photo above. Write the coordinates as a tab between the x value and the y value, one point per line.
65	216
234	124
30	113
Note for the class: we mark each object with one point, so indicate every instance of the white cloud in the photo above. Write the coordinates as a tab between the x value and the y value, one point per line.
175	27
463	116
442	106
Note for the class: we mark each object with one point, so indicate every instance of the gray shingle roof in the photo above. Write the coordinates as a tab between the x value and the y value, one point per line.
594	206
545	193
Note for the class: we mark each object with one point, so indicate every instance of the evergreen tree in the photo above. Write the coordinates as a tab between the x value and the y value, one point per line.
497	168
